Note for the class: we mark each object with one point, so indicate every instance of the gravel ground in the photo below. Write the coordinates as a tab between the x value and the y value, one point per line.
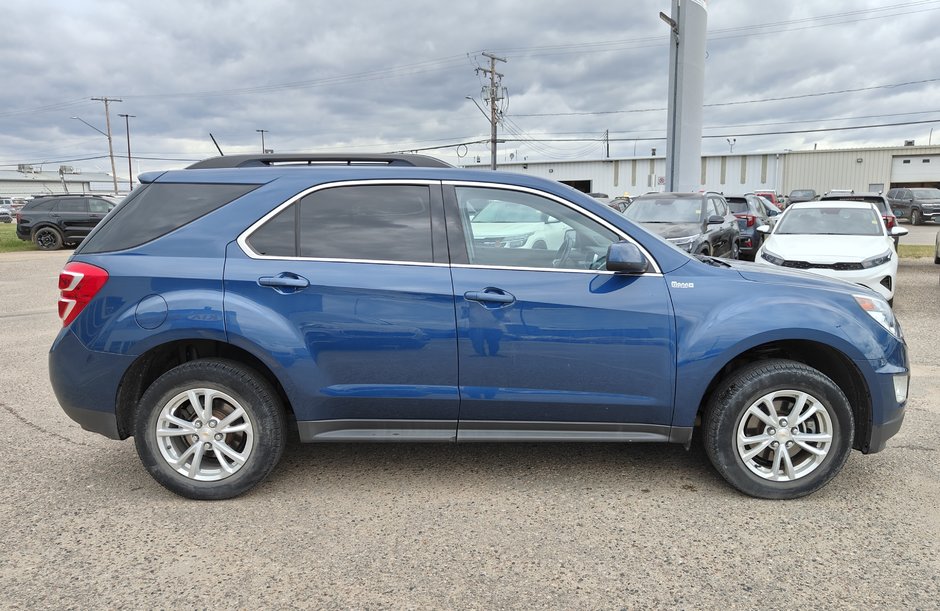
438	526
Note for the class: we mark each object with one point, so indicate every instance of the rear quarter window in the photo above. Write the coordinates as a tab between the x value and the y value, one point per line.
156	210
41	205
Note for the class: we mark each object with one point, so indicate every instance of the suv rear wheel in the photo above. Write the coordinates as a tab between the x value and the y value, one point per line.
48	238
210	429
778	429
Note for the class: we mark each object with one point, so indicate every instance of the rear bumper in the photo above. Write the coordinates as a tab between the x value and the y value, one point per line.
86	382
23	232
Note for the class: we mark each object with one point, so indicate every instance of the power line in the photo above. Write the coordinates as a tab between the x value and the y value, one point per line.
732	103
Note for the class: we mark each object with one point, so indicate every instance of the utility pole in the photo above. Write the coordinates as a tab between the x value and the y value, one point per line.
107	118
130	169
262	132
607	141
493	94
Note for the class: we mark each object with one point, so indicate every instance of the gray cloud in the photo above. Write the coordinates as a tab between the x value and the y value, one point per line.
378	76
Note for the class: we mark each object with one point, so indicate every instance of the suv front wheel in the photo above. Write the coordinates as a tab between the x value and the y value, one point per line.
210	429
778	429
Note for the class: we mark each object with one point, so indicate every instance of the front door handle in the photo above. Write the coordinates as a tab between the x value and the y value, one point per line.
284	282
489	295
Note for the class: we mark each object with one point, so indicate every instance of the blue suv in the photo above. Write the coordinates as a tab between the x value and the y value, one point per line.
221	308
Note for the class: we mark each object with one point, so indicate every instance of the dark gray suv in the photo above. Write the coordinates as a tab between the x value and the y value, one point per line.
52	221
917	205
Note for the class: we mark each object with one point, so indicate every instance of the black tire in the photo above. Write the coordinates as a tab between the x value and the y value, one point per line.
704	250
48	238
260	442
916	217
735	250
731	410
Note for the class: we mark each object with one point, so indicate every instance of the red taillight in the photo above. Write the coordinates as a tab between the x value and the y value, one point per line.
889	222
750	218
19	218
78	284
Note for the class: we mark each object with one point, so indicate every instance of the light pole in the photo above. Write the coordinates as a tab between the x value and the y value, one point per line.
731	142
127	130
110	148
262	132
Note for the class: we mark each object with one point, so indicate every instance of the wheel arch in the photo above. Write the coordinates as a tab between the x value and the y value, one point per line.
160	359
828	360
44	225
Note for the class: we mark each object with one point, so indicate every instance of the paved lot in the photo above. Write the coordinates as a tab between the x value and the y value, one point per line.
920	234
480	526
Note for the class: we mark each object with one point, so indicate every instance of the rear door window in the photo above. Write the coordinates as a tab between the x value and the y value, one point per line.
361	223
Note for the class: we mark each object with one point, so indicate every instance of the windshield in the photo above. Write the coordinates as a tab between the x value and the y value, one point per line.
738	206
506	212
830	221
926	193
665	210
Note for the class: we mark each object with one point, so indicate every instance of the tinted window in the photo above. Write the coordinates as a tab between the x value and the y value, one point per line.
738	206
158	209
42	204
277	237
72	204
374	222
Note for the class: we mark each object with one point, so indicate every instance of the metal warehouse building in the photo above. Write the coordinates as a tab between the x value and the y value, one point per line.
860	169
32	180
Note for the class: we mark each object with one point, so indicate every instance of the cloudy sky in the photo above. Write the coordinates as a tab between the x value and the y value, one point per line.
372	76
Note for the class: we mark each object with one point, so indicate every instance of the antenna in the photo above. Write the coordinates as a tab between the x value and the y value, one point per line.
221	154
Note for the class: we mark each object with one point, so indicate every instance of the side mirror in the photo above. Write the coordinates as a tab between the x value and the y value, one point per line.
771	212
898	231
716	220
763	229
625	257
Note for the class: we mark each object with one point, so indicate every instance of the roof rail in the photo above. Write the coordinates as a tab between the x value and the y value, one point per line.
260	161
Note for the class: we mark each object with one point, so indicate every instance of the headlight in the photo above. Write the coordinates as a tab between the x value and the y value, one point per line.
516	241
766	255
878	308
684	243
876	261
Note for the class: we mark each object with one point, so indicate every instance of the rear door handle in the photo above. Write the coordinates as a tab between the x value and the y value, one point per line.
285	282
490	295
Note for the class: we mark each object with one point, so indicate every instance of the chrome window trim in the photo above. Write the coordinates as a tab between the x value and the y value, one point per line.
242	239
613	228
596	272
